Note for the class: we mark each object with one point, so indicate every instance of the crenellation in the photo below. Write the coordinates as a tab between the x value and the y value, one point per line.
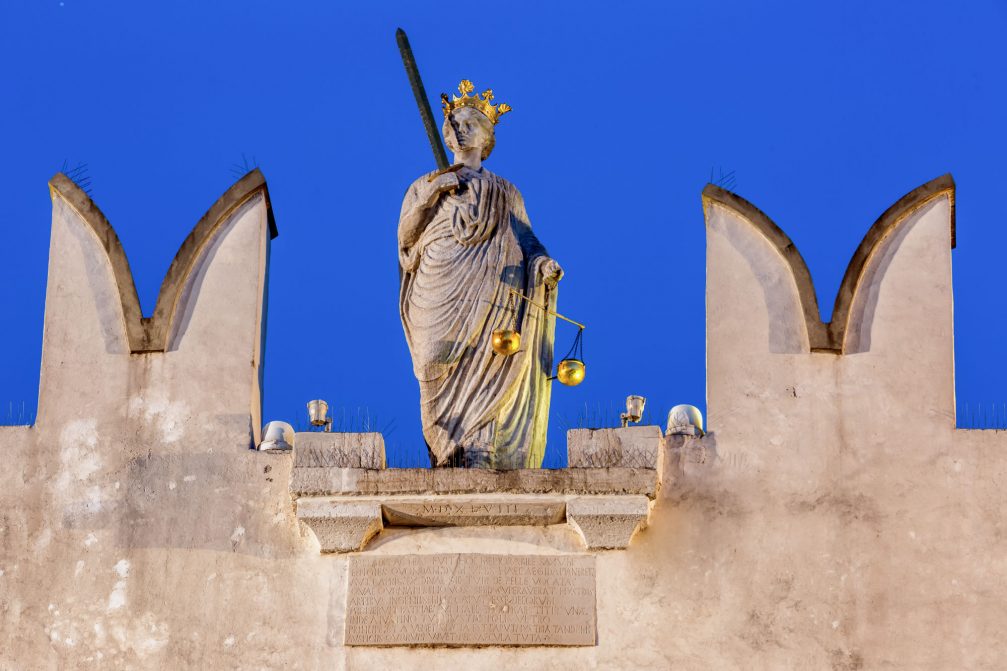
808	524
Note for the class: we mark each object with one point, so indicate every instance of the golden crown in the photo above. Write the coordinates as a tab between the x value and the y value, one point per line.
484	104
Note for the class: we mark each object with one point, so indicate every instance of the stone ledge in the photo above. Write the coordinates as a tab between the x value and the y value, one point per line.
460	510
346	523
385	482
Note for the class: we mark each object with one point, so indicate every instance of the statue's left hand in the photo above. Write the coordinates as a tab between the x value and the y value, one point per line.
550	272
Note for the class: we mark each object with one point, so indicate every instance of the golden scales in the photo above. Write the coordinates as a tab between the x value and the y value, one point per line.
570	370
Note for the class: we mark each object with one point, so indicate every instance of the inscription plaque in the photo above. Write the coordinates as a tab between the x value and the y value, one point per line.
471	599
480	510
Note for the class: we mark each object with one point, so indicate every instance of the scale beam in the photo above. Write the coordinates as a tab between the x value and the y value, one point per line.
547	310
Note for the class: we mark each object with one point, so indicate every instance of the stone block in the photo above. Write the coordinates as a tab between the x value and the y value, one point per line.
340	525
629	447
339	450
608	522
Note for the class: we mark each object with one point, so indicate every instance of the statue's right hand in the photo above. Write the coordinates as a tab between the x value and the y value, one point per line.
442	184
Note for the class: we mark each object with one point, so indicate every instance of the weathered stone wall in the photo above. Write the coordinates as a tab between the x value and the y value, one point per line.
833	518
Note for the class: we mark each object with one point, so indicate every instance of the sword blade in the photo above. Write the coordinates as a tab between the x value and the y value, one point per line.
433	134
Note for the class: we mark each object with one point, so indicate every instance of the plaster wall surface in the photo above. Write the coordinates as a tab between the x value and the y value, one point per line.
841	522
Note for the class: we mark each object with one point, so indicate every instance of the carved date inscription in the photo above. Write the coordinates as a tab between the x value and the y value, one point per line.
477	510
471	599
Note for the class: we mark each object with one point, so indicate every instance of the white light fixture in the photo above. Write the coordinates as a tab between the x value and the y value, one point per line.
318	413
634	410
277	436
685	420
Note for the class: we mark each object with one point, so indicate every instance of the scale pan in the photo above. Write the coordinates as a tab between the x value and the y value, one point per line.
506	341
570	372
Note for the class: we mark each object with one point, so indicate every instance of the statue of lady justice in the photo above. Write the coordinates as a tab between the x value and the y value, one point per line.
464	243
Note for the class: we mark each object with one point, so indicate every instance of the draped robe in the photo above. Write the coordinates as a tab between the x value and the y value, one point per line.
478	408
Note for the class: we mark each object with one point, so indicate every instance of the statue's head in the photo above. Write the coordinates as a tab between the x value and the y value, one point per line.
469	120
467	128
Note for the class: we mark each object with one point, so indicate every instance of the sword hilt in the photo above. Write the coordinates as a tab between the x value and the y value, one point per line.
443	171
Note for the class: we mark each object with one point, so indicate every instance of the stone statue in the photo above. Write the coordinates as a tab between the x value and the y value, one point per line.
464	242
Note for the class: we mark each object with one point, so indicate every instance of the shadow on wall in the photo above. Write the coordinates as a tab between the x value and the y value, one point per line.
858	335
191	501
781	282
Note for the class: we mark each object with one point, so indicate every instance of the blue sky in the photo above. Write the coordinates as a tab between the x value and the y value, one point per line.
826	113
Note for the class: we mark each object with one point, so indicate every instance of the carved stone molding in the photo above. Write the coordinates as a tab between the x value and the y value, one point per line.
340	525
608	522
391	481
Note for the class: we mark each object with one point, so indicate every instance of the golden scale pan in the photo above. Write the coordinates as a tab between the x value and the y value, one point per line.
506	342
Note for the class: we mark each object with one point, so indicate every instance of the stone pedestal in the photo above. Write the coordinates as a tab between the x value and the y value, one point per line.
629	447
338	450
345	505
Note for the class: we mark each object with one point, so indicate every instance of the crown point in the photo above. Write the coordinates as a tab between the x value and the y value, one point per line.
481	102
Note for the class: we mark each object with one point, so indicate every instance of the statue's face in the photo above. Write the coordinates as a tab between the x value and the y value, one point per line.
468	128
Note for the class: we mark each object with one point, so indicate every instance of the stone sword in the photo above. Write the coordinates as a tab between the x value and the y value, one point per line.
422	101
